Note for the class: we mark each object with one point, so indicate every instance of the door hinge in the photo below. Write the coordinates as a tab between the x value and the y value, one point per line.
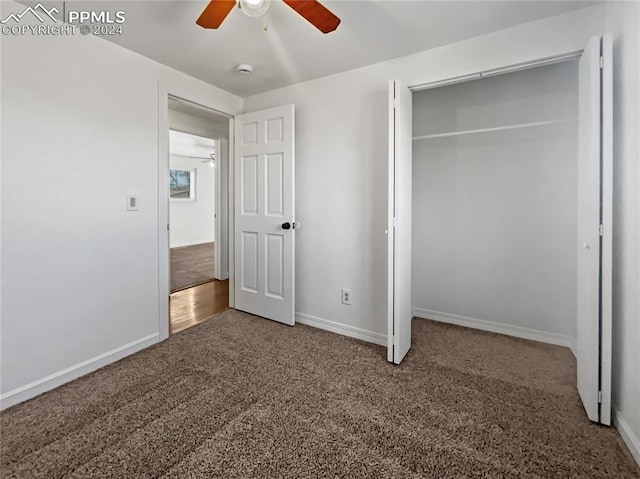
599	397
394	103
601	230
395	222
167	226
601	62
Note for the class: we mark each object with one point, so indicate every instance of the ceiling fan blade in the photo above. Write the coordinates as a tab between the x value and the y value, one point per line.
316	14
215	13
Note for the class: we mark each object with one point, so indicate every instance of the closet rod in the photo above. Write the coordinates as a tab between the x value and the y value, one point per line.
497	71
495	128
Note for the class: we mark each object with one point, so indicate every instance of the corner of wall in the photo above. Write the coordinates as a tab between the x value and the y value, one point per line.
628	435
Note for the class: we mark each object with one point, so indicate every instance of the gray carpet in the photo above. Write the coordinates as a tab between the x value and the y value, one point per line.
239	396
191	265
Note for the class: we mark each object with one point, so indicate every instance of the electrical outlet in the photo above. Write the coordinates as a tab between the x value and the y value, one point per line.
346	296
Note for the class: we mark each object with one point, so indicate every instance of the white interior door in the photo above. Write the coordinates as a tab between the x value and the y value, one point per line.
264	239
594	229
399	313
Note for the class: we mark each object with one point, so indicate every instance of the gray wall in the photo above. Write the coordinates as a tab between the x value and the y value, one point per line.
494	228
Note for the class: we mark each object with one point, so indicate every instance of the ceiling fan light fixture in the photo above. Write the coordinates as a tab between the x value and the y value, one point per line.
254	8
311	10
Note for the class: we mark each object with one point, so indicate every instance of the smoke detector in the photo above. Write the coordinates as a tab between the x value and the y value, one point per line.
244	69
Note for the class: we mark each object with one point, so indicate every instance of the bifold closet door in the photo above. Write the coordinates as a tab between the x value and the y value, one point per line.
594	229
399	312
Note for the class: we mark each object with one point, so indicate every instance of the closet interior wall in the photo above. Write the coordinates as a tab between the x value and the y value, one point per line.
494	201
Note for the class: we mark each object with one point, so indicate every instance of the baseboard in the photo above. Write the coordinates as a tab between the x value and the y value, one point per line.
509	330
628	436
342	329
190	243
59	378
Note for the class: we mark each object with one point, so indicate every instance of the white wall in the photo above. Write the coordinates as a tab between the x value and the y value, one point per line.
494	214
623	20
341	162
193	222
79	272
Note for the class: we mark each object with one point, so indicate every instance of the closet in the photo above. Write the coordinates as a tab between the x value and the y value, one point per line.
495	201
499	208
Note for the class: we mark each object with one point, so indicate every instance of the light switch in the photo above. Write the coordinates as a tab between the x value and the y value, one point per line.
132	202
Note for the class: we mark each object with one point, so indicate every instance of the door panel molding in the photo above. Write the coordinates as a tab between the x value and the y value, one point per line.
265	200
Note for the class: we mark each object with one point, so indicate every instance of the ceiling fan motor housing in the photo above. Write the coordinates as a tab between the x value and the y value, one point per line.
254	8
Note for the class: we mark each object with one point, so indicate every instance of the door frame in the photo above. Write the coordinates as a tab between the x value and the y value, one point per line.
164	286
217	270
222	151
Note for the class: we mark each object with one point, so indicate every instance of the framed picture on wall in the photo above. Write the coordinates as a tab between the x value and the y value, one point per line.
182	185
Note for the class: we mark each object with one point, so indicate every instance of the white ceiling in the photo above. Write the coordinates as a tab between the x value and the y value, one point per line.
292	50
192	146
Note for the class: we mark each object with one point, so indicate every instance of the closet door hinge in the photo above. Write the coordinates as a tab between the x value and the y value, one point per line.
601	62
601	230
599	397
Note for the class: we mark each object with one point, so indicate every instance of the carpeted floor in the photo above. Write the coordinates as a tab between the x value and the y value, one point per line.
191	265
239	396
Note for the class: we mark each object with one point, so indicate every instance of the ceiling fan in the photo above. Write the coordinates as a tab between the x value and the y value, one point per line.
311	10
211	161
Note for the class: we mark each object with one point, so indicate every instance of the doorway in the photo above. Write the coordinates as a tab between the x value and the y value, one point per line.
259	146
198	224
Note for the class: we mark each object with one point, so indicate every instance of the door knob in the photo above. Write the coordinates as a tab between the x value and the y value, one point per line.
286	226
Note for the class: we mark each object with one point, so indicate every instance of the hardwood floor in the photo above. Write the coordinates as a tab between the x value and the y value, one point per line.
194	305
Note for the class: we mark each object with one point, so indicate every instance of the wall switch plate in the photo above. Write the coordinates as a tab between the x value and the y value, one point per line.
346	296
132	202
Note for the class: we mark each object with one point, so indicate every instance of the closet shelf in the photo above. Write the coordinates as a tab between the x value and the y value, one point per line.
495	128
